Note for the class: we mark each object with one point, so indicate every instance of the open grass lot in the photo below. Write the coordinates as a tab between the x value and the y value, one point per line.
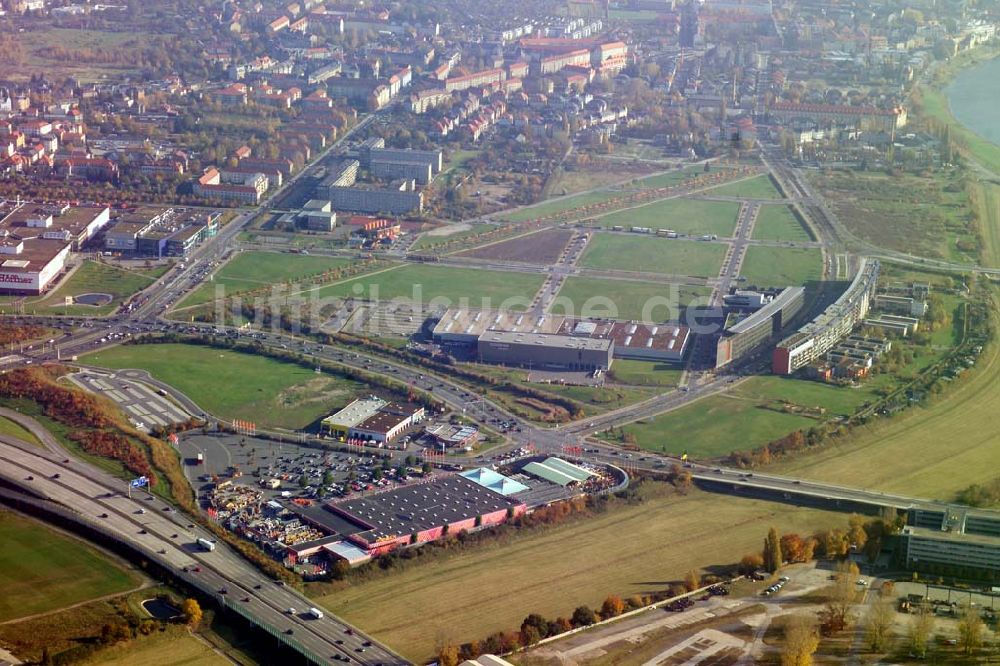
39	60
42	570
252	270
926	216
426	282
781	266
599	399
626	299
172	649
627	550
14	429
558	205
232	385
759	187
449	233
779	223
686	216
713	427
94	277
930	451
670	177
650	254
985	199
645	373
587	177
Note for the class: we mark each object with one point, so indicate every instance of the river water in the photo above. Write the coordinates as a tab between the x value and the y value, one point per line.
974	96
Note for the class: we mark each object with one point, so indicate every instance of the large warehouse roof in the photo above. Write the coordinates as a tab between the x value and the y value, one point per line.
558	471
356	412
542	339
495	481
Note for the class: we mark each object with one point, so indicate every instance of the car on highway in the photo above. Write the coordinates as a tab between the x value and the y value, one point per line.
104	515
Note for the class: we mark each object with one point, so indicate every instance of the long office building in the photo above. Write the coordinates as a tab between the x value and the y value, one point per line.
820	335
400	198
750	333
544	340
541	350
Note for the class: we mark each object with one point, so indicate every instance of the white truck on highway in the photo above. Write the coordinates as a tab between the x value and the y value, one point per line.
206	544
316	613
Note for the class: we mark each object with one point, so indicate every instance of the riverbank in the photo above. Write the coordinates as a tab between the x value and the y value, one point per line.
930	101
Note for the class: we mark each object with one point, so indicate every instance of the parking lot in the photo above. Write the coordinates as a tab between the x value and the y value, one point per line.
145	406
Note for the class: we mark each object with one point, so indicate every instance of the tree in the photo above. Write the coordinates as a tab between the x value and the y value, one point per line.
801	641
536	622
691	580
751	562
970	630
878	623
613	606
792	547
448	654
772	551
842	596
856	534
918	632
191	610
583	616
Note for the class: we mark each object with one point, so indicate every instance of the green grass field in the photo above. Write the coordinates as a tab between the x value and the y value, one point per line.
669	178
232	385
252	270
558	205
686	216
94	277
426	282
985	200
645	373
779	223
42	570
930	452
14	429
713	426
427	240
629	550
927	215
759	187
781	266
650	254
172	649
625	299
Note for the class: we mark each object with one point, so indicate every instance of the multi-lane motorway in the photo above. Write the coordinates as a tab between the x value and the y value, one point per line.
167	537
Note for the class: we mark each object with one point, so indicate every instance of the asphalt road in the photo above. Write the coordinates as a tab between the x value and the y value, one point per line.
168	538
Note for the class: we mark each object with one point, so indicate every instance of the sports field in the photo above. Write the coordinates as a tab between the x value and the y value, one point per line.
232	385
253	270
927	452
650	254
781	266
426	283
626	299
687	216
93	277
42	570
776	222
759	187
628	550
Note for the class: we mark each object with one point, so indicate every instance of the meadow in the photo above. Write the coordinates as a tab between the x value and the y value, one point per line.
759	187
653	255
42	570
776	222
231	384
94	278
687	216
781	266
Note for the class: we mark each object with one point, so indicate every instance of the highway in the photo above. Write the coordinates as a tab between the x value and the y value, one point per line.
165	536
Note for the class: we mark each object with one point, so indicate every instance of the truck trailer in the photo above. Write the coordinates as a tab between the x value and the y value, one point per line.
206	544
